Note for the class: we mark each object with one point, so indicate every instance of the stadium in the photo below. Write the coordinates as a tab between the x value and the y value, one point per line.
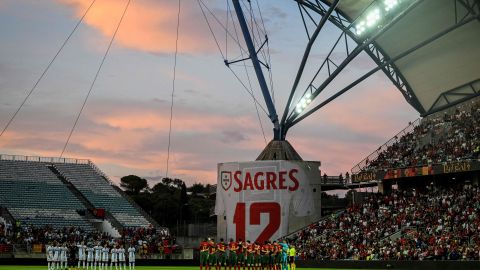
190	177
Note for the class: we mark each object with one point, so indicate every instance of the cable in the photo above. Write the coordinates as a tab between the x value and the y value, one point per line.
223	26
173	89
223	56
46	69
248	91
250	84
95	78
255	27
269	60
211	30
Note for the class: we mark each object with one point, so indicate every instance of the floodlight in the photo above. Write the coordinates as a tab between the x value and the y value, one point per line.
308	95
360	28
373	17
390	4
308	101
299	110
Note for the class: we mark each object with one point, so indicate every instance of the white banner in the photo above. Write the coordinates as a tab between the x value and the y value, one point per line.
257	198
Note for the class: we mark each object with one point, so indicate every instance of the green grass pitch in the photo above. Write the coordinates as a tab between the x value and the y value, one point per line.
17	267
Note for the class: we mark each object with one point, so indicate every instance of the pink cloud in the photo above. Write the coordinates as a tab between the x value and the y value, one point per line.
136	139
148	25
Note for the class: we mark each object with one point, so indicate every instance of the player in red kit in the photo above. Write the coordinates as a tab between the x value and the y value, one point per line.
221	255
278	256
273	255
258	255
204	247
232	254
242	248
212	254
265	250
250	255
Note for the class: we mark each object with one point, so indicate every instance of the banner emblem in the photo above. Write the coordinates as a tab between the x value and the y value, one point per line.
226	180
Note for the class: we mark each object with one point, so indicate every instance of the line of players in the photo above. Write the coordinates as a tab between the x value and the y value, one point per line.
91	257
252	256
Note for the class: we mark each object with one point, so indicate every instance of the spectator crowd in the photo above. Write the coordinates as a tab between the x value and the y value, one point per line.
443	137
405	225
147	241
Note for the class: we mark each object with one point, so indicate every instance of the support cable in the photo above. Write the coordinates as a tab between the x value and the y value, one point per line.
173	88
200	3
95	78
268	60
220	23
250	84
46	69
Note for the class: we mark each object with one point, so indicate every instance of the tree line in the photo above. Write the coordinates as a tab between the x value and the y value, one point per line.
171	202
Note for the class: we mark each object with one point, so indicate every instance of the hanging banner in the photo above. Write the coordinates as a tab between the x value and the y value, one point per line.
435	169
261	200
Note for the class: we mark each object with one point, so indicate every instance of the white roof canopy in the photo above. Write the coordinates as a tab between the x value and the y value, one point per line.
447	70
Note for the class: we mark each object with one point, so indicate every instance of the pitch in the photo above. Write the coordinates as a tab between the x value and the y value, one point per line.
25	267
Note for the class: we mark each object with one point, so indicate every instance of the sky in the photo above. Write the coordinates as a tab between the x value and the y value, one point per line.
124	127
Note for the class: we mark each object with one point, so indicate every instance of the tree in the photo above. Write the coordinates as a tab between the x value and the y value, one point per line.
183	194
168	201
133	184
197	188
160	188
167	181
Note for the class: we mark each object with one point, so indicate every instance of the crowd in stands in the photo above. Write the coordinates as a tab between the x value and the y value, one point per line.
444	137
148	241
3	234
437	224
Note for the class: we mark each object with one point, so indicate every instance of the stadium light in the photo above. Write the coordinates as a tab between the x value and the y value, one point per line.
360	28
299	108
303	103
390	4
371	18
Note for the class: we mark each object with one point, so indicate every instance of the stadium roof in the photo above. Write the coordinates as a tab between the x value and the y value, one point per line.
443	72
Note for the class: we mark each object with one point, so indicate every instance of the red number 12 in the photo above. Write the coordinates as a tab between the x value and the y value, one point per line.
272	208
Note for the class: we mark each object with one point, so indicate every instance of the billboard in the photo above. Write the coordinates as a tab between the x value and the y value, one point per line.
265	200
435	169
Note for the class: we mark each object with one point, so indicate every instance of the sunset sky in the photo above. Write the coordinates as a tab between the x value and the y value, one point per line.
124	127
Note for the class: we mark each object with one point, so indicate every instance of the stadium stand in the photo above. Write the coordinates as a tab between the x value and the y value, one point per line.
449	136
440	224
101	193
435	216
38	192
34	196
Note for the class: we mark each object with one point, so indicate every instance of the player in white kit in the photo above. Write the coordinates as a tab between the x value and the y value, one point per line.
114	258
56	256
63	256
121	257
49	250
81	255
131	257
105	252
90	257
98	257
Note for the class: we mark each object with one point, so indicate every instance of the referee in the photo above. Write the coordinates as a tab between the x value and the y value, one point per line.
291	257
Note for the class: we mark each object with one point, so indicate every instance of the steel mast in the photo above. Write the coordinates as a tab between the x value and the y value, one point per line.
277	134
